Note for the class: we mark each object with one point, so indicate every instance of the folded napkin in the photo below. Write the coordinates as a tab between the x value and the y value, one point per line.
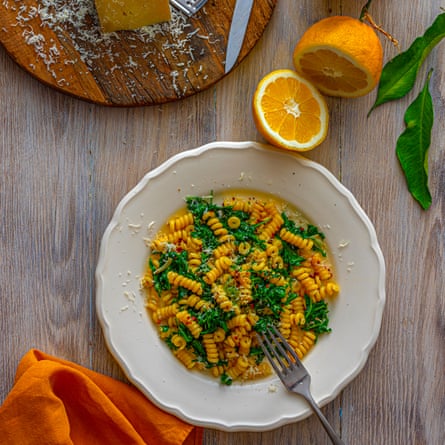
56	402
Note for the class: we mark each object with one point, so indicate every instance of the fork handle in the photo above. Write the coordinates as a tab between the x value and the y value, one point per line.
326	425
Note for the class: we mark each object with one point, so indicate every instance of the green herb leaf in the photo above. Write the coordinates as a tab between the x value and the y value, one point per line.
263	323
199	350
170	344
185	333
413	143
226	379
399	74
199	205
268	297
290	255
212	319
316	315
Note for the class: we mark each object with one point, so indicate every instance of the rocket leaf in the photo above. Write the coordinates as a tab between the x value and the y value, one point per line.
413	144
399	74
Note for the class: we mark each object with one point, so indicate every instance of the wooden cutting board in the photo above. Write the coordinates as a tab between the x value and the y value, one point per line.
64	49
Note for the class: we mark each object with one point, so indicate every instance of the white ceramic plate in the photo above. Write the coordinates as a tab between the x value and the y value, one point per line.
355	316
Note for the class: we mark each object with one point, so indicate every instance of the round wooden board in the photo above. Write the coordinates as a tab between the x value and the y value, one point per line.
163	63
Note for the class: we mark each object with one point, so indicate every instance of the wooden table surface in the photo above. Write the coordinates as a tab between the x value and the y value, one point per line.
65	164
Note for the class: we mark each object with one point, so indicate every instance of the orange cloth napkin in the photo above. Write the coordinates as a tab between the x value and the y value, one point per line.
56	402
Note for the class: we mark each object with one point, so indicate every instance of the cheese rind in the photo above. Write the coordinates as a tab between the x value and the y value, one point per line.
117	15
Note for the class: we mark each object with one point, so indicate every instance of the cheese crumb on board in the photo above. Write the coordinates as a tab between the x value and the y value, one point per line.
118	15
78	21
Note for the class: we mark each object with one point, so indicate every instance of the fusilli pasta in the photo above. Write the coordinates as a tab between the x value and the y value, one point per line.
217	274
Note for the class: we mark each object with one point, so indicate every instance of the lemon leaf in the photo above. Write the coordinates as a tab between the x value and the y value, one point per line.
365	10
399	74
413	144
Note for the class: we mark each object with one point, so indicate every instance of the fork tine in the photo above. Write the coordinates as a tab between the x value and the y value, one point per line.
283	345
266	346
277	350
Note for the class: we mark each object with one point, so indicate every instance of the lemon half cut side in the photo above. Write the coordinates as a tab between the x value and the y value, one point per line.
289	111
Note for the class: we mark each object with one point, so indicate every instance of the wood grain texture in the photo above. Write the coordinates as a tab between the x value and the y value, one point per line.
127	68
66	163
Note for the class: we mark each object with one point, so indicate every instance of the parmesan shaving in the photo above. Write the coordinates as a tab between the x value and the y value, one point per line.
78	20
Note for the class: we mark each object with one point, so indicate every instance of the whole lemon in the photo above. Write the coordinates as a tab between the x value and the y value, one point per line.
341	56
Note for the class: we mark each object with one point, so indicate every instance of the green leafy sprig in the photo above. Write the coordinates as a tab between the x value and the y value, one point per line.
413	144
399	74
397	79
316	315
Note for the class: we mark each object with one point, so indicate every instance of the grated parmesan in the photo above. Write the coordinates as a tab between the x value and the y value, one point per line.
78	20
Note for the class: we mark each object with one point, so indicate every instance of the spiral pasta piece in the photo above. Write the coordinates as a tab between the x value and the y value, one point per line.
147	279
178	235
159	243
219	335
278	279
165	312
244	345
323	270
177	279
194	260
277	262
210	348
301	341
298	307
166	298
272	250
224	249
233	222
178	341
328	290
221	298
217	370
187	357
275	223
244	248
180	222
238	205
296	240
221	265
239	321
171	322
257	211
186	319
285	323
238	368
215	224
302	274
245	296
195	302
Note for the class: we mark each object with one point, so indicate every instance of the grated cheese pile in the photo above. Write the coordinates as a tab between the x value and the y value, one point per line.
78	19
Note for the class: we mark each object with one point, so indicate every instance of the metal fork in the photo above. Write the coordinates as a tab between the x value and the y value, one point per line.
188	7
291	372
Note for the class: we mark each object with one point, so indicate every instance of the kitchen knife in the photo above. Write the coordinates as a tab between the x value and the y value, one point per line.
240	20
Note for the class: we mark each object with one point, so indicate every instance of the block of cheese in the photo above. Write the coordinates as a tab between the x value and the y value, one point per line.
116	15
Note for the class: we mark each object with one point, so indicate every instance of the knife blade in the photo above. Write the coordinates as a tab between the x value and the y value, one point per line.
240	20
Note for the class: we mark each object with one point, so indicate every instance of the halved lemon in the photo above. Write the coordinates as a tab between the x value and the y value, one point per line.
289	112
341	56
